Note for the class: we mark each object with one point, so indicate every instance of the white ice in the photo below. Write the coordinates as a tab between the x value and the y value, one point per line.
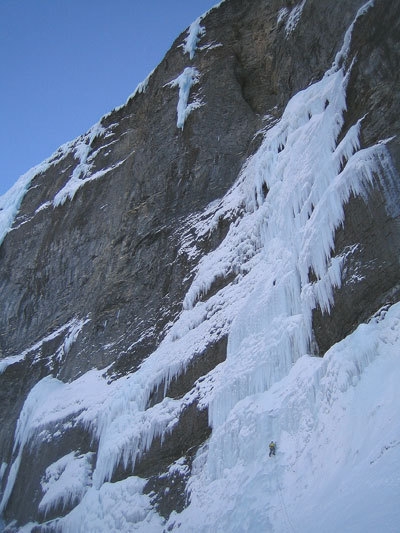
338	446
292	17
10	202
185	81
194	34
71	331
66	481
114	507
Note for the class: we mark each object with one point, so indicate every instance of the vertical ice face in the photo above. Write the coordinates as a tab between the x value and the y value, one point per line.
295	188
332	420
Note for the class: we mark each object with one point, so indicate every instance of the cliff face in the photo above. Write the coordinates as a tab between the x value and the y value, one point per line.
104	260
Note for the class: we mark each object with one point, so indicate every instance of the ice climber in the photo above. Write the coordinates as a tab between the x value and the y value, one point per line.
272	448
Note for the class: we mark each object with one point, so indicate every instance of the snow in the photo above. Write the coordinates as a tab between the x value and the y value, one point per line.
71	329
334	418
75	328
49	402
185	81
114	507
282	15
3	469
81	175
11	360
141	88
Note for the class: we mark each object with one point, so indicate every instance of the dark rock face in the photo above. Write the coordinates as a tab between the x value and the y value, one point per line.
109	257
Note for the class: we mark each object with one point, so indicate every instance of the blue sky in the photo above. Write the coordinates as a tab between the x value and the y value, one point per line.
65	63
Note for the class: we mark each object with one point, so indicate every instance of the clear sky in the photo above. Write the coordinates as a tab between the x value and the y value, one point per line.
66	63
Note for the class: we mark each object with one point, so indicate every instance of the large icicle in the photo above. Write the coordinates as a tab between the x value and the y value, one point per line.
185	81
194	34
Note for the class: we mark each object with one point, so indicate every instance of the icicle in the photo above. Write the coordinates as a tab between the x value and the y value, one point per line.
185	81
195	32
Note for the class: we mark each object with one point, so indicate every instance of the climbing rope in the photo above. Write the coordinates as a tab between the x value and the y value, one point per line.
284	507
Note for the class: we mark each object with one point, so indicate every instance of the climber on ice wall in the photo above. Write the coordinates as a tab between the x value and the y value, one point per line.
272	448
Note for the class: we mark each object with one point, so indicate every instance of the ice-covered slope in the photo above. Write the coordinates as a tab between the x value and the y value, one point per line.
334	418
338	457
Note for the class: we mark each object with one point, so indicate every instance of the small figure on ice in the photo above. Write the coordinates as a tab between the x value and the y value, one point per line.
272	448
